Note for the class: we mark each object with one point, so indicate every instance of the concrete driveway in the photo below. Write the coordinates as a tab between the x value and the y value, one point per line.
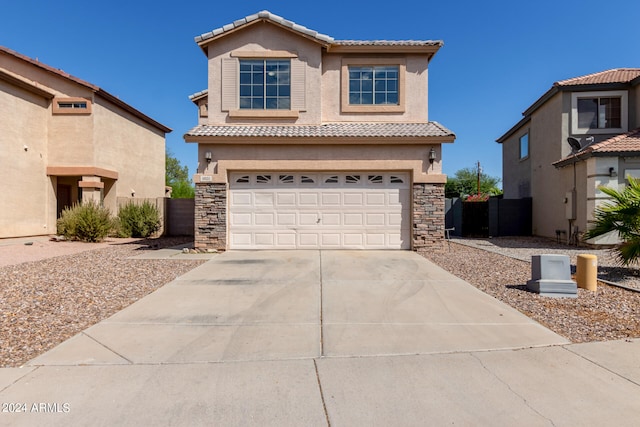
323	338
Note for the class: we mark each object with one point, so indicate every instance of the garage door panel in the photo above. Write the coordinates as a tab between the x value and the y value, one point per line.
353	199
331	219
264	239
264	218
263	198
356	219
242	198
286	199
310	218
336	210
376	219
309	199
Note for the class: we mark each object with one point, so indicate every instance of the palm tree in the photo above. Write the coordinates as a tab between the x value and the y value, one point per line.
621	215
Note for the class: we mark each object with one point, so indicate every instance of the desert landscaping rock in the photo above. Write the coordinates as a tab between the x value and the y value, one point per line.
44	302
607	314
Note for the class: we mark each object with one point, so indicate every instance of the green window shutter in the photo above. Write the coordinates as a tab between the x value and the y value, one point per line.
229	84
298	84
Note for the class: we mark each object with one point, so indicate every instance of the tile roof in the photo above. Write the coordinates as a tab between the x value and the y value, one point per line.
328	130
439	43
626	143
617	75
264	15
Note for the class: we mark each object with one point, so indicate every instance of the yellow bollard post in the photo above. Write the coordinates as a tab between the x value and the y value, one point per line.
587	272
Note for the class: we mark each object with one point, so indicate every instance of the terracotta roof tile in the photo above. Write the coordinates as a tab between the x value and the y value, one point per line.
618	75
626	142
340	130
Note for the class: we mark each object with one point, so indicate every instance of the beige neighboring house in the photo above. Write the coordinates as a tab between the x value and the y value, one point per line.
63	140
578	136
307	142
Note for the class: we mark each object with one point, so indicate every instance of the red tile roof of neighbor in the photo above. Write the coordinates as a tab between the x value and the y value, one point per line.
626	143
617	75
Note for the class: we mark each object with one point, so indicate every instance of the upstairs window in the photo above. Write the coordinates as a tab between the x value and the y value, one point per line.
373	85
265	84
599	112
71	106
524	146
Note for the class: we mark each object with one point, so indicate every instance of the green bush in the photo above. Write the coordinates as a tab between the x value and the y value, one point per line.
138	220
86	221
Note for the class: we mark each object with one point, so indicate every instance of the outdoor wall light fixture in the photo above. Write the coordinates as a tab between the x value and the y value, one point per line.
612	172
207	156
432	155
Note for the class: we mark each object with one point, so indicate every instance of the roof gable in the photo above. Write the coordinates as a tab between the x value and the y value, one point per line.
263	16
93	88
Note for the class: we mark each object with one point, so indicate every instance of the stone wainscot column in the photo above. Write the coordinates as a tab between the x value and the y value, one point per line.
428	216
211	216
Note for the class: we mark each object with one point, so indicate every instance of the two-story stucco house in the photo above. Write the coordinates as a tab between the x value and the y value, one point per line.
309	142
576	137
64	140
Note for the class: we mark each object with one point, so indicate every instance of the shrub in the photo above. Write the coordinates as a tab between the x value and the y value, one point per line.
86	221
138	220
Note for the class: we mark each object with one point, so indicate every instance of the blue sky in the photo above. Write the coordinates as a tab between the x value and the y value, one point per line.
498	57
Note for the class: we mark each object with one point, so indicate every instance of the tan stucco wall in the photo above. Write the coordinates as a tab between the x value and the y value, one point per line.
516	172
257	38
25	185
326	157
131	147
548	184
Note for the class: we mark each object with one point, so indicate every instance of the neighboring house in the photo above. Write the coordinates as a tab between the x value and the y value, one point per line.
63	140
309	142
578	136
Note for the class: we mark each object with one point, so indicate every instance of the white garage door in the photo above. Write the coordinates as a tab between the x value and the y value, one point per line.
325	210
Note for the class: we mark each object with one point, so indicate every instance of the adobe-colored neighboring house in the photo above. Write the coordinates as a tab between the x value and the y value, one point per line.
581	134
309	142
63	140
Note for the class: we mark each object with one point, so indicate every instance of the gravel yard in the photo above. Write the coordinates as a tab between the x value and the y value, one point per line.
500	270
46	301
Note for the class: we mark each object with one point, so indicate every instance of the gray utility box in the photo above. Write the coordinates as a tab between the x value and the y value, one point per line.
551	276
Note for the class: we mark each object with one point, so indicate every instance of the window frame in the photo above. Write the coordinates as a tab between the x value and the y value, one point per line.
526	156
57	109
264	84
624	111
401	63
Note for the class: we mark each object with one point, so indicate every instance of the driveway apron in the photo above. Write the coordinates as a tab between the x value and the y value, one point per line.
282	305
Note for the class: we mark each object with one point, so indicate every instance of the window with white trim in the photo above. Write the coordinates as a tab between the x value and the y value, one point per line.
599	112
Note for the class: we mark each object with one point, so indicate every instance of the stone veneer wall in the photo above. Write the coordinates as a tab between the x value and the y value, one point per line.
211	216
428	216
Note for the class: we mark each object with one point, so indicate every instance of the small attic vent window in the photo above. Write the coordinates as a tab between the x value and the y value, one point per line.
71	106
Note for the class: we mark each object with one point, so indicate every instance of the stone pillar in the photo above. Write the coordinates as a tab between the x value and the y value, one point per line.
428	216
211	216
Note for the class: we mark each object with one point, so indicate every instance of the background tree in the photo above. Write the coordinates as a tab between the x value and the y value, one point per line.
465	182
177	177
623	216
